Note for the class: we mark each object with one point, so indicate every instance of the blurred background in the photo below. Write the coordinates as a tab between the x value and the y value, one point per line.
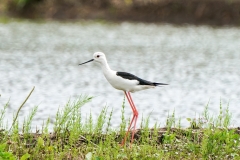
192	45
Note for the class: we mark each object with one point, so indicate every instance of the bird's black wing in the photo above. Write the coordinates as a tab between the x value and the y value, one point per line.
130	76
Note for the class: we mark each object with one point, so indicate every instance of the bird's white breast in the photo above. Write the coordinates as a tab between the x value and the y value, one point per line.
119	82
124	84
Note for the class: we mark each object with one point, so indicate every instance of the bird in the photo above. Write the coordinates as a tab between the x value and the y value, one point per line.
126	82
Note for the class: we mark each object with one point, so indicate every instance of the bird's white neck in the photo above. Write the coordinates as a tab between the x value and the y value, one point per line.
105	67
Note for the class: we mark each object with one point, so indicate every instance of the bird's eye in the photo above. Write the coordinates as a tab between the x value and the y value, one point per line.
98	56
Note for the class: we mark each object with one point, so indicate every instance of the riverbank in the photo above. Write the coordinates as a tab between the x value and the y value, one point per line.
206	138
210	12
156	143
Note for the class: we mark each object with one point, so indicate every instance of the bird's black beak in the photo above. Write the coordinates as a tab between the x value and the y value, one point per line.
86	62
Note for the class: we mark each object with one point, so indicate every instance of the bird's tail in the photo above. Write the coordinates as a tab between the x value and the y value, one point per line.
159	84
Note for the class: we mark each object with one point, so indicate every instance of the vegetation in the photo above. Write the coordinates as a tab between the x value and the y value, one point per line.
211	12
207	137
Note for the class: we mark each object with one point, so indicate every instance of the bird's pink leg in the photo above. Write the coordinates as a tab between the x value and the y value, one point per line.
134	118
133	109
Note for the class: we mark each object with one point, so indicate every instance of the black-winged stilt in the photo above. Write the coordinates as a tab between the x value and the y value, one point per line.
126	82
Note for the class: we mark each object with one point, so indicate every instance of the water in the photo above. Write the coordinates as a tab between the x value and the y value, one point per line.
200	63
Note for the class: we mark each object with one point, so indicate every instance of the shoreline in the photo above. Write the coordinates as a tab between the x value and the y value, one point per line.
206	12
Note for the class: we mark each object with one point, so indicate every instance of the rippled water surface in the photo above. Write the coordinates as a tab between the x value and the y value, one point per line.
200	63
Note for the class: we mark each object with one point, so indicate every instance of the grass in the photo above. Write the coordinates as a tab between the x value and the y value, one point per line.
207	137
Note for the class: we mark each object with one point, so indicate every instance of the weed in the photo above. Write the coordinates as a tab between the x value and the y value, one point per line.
208	137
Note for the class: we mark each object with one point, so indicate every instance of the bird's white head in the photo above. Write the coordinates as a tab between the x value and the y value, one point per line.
98	57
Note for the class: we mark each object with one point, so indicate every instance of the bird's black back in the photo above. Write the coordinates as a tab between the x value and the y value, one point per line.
130	76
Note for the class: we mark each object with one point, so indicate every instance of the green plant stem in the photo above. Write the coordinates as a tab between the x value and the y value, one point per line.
15	118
